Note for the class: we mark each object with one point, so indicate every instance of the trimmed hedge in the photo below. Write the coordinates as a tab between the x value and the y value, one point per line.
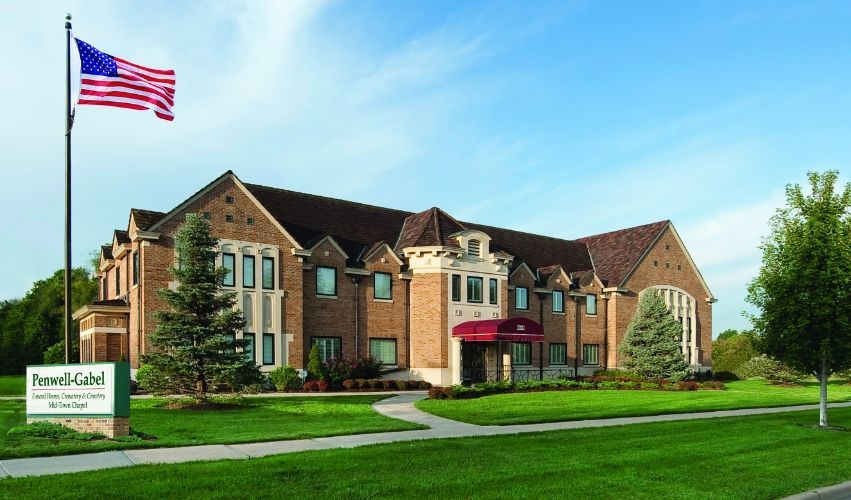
585	384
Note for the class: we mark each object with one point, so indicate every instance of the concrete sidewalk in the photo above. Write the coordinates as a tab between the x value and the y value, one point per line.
401	407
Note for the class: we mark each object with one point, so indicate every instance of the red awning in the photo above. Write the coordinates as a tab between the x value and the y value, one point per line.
491	330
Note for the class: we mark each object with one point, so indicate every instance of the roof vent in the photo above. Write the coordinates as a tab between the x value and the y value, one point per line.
474	248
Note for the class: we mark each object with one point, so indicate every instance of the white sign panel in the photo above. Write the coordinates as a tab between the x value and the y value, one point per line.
86	389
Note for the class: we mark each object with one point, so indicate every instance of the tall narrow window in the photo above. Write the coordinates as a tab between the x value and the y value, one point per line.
268	349
249	346
229	263
494	291
558	354
117	281
474	289
268	273
456	287
474	248
558	301
521	297
326	280
248	310
521	353
383	350
591	304
382	286
248	271
591	354
267	312
329	347
135	268
103	288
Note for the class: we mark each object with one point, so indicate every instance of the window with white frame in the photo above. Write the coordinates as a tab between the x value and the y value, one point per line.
558	301
326	280
229	263
248	271
382	286
268	349
383	350
521	297
494	291
268	273
591	304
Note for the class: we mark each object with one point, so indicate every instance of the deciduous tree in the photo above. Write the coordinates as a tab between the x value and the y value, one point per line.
803	290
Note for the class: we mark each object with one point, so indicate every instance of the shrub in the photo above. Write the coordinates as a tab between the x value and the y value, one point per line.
367	367
336	370
439	392
620	375
422	384
725	376
349	384
730	353
53	431
284	377
322	385
713	385
315	368
311	386
770	369
688	385
150	379
388	385
402	385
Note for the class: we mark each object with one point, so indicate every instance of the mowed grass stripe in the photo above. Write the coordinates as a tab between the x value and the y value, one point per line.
12	385
558	406
756	457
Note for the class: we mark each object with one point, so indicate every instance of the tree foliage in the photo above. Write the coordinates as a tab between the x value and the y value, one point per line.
36	322
732	349
194	342
803	290
652	342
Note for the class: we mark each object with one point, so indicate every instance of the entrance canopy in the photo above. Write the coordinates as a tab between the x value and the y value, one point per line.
492	330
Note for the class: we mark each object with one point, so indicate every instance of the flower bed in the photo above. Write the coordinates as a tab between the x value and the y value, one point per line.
360	385
586	383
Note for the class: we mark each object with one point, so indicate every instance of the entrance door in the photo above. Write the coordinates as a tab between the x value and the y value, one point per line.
473	362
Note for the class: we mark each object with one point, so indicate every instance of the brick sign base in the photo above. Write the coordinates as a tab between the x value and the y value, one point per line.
108	426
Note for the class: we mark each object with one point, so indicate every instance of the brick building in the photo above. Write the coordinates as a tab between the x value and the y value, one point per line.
436	298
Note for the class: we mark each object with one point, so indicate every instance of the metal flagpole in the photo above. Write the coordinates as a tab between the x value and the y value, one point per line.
68	123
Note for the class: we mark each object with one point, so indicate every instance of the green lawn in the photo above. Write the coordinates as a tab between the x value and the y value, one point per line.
12	385
266	419
759	457
535	407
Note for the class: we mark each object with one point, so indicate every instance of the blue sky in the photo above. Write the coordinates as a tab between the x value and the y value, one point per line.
563	118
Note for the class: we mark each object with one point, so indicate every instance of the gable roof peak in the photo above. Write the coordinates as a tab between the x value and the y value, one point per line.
431	227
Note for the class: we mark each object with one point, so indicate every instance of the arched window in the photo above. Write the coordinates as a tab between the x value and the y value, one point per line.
248	310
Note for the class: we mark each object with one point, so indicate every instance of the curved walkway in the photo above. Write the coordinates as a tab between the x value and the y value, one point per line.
400	406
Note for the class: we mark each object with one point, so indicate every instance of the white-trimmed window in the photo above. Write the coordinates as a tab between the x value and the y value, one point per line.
329	347
248	271
474	289
268	349
521	353
268	273
326	280
521	297
494	291
558	301
558	354
383	350
382	286
591	354
591	304
474	248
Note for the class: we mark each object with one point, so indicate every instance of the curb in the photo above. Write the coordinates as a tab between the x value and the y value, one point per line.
836	492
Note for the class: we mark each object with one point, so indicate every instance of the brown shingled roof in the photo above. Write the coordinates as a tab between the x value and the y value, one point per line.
354	226
431	227
106	251
122	236
616	253
145	218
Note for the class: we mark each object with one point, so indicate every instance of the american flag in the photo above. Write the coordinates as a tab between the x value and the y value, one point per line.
106	80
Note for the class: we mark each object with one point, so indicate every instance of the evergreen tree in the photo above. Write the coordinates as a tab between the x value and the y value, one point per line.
803	289
194	342
652	342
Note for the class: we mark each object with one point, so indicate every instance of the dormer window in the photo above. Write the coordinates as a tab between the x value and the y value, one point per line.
474	248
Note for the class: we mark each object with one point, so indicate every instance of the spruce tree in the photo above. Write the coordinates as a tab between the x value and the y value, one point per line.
194	342
652	342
